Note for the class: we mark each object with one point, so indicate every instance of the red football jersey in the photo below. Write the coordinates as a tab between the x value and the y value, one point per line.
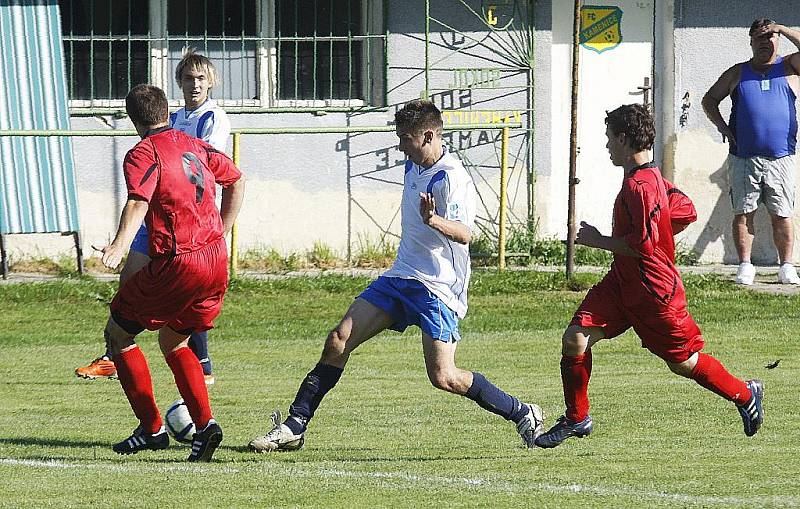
177	175
642	217
681	208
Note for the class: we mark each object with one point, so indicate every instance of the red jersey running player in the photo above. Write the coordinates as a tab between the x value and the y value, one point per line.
643	289
171	181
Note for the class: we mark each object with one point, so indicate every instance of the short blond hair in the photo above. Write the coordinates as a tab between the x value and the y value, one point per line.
195	61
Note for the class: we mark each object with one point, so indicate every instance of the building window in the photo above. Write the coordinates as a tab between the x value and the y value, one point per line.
226	32
267	52
105	47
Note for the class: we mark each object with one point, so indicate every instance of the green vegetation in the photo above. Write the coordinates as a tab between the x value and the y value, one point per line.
522	247
374	254
384	437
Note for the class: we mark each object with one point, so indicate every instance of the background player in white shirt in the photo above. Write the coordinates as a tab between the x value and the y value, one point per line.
426	286
201	118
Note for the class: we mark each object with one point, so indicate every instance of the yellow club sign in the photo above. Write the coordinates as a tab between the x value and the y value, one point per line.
601	27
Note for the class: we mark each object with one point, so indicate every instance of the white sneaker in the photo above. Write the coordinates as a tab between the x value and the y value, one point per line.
746	274
280	438
532	425
787	275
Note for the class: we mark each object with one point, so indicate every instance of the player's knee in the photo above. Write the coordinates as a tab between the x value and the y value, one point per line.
685	368
443	380
115	342
440	381
336	343
573	337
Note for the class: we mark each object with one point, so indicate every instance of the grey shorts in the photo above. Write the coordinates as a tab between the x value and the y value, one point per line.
768	179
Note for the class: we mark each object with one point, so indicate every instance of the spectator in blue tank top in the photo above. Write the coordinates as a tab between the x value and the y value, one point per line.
762	134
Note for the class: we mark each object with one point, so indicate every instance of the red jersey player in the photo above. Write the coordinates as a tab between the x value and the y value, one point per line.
171	181
643	289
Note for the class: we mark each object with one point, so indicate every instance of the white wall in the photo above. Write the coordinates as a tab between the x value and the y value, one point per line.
707	40
300	186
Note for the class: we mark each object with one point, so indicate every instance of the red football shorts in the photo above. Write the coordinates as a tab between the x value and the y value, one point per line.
667	330
184	292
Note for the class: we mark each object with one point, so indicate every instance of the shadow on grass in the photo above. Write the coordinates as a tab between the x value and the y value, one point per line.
49	442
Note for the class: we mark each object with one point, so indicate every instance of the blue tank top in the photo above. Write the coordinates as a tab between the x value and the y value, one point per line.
763	117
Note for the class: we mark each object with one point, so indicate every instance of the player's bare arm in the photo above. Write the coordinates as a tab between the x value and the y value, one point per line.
719	91
590	236
453	230
132	216
232	197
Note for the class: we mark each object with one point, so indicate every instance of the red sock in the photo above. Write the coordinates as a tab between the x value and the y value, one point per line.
191	384
134	375
575	373
712	375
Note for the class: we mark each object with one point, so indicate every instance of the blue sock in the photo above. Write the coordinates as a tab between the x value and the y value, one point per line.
198	342
489	397
316	385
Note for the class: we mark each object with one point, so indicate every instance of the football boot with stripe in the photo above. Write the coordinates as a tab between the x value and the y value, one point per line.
751	412
532	425
101	367
141	441
205	442
563	429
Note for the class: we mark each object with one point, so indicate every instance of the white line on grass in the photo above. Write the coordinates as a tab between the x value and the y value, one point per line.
429	481
119	467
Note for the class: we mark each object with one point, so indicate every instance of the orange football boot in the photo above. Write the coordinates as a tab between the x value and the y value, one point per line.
101	367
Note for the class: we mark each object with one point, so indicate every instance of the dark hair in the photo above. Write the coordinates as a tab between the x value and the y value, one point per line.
147	105
760	22
636	123
419	116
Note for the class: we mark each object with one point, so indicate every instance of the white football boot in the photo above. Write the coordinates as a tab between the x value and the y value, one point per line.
280	438
532	425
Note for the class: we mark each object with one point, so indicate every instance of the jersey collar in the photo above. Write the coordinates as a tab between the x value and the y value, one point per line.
651	164
157	130
423	169
208	103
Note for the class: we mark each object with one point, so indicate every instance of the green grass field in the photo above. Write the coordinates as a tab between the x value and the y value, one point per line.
384	437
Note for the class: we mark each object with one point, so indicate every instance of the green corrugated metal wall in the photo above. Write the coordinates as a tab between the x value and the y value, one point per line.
37	180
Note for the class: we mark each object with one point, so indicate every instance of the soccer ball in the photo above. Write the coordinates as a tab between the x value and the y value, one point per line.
179	422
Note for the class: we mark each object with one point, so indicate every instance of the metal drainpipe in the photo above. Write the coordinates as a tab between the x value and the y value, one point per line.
573	141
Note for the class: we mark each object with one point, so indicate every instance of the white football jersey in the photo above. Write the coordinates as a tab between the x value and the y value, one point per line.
426	255
208	122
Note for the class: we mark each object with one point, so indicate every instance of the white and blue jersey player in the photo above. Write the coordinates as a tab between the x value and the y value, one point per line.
426	286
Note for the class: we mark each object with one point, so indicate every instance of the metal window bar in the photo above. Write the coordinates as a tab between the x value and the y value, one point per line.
279	40
241	51
349	49
71	53
314	46
359	52
129	67
91	50
110	55
296	53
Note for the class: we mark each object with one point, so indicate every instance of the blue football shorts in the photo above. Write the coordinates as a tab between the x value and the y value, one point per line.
140	241
409	302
